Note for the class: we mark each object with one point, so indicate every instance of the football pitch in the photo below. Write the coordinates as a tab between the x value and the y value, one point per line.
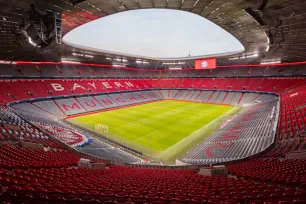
161	130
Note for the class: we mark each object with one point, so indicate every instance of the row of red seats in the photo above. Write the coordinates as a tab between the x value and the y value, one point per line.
16	157
135	185
13	128
231	134
282	147
12	90
292	122
108	71
11	135
63	134
65	70
276	85
287	172
293	112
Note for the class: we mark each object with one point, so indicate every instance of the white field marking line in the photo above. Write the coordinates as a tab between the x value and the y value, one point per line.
157	107
208	124
117	155
145	135
132	123
199	131
179	110
137	121
154	108
211	122
151	108
186	108
97	148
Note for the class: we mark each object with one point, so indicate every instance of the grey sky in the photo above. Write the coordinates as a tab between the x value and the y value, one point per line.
154	33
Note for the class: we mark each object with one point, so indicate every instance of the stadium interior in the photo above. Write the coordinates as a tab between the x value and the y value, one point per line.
82	126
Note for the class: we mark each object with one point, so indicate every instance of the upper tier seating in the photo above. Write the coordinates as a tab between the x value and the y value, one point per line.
216	97
30	70
78	70
50	71
9	70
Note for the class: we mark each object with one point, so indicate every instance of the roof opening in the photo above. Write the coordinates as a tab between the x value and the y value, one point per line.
160	34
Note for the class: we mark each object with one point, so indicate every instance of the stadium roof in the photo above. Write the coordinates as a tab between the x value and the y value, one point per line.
270	30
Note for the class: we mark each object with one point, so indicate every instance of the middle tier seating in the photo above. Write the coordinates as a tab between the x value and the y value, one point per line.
12	90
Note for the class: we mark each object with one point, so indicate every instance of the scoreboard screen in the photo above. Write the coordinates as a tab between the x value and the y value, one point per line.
205	63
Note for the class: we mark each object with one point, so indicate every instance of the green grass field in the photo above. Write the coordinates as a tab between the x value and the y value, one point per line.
159	127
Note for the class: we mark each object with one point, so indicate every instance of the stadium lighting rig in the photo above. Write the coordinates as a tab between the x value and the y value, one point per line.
173	63
269	40
175	68
272	62
118	65
120	60
74	2
82	55
32	43
72	62
142	62
245	57
256	12
42	28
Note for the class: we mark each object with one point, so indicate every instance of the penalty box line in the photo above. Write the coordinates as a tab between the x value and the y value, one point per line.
145	135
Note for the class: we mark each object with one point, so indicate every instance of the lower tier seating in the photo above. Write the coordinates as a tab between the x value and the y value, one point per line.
273	170
292	123
110	153
136	185
15	156
82	141
76	105
250	132
235	141
217	97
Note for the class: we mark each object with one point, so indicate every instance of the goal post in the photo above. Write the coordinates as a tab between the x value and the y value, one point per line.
103	129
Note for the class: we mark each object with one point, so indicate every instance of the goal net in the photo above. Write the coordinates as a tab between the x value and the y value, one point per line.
103	129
